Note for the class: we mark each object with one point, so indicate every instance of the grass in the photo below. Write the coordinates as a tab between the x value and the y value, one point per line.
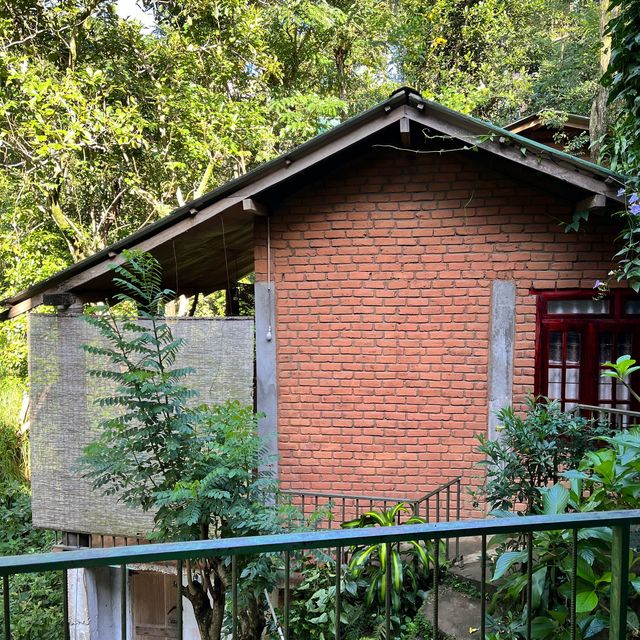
462	585
14	441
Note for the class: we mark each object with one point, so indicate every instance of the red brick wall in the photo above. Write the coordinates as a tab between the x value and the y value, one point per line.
383	283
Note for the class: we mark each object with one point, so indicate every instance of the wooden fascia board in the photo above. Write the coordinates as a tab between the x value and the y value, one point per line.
530	160
527	126
185	225
22	307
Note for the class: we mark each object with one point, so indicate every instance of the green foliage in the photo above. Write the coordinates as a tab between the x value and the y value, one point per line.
421	629
200	470
36	599
313	602
532	452
608	478
501	60
620	370
14	444
623	80
409	567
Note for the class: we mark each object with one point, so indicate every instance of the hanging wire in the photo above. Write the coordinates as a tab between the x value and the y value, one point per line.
226	262
175	263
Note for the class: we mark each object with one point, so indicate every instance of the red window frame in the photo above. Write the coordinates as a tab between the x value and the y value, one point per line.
590	327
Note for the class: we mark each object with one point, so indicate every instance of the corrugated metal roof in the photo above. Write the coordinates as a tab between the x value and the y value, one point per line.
401	97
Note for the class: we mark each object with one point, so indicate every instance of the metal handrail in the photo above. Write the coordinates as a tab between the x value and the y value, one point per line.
618	412
349	504
341	539
252	545
414	503
351	496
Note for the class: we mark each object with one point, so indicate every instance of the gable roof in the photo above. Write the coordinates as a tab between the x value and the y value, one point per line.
535	120
199	240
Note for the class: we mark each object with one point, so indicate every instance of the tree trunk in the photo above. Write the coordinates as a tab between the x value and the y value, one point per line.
252	622
599	121
208	605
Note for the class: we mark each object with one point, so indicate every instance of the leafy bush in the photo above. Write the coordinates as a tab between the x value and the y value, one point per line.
409	566
532	452
313	602
200	470
36	599
14	443
607	479
363	587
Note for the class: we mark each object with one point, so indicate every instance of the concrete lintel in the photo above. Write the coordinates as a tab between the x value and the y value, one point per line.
594	202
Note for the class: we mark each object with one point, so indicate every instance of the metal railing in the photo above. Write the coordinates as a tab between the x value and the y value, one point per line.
442	504
330	510
342	541
617	418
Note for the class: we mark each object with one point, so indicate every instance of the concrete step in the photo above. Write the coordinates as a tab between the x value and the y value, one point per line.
469	564
458	614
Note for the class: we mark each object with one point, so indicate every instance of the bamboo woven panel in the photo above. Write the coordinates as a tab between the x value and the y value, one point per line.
64	415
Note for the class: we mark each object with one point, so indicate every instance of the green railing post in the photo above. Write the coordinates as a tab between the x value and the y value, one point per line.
179	611
6	607
123	601
619	581
66	632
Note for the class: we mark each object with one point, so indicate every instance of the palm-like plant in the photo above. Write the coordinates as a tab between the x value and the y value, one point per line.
409	564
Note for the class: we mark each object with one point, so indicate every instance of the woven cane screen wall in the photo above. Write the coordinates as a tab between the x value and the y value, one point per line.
64	415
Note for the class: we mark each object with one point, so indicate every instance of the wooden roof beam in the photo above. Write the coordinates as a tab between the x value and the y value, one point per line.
596	202
405	132
256	208
552	167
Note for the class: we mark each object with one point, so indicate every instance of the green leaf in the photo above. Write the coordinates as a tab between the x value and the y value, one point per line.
396	570
554	499
586	601
538	579
506	561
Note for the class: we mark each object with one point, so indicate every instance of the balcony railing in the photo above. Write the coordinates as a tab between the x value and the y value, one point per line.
442	504
344	539
617	418
329	510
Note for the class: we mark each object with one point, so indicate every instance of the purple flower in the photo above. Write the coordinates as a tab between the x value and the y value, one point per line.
635	209
633	198
598	284
620	192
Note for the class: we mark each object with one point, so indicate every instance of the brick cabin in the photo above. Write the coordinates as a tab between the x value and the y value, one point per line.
384	271
399	262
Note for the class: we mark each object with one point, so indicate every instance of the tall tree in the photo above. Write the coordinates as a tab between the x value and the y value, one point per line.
105	126
622	79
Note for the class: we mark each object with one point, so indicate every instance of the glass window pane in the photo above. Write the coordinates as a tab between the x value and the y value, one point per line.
606	347
555	347
555	384
573	347
604	389
571	390
625	342
572	384
632	307
555	307
622	393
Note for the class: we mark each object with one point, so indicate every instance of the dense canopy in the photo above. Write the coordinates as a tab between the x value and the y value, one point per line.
107	124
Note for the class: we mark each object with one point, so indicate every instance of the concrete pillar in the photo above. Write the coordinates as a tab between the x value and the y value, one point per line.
501	339
94	604
266	370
